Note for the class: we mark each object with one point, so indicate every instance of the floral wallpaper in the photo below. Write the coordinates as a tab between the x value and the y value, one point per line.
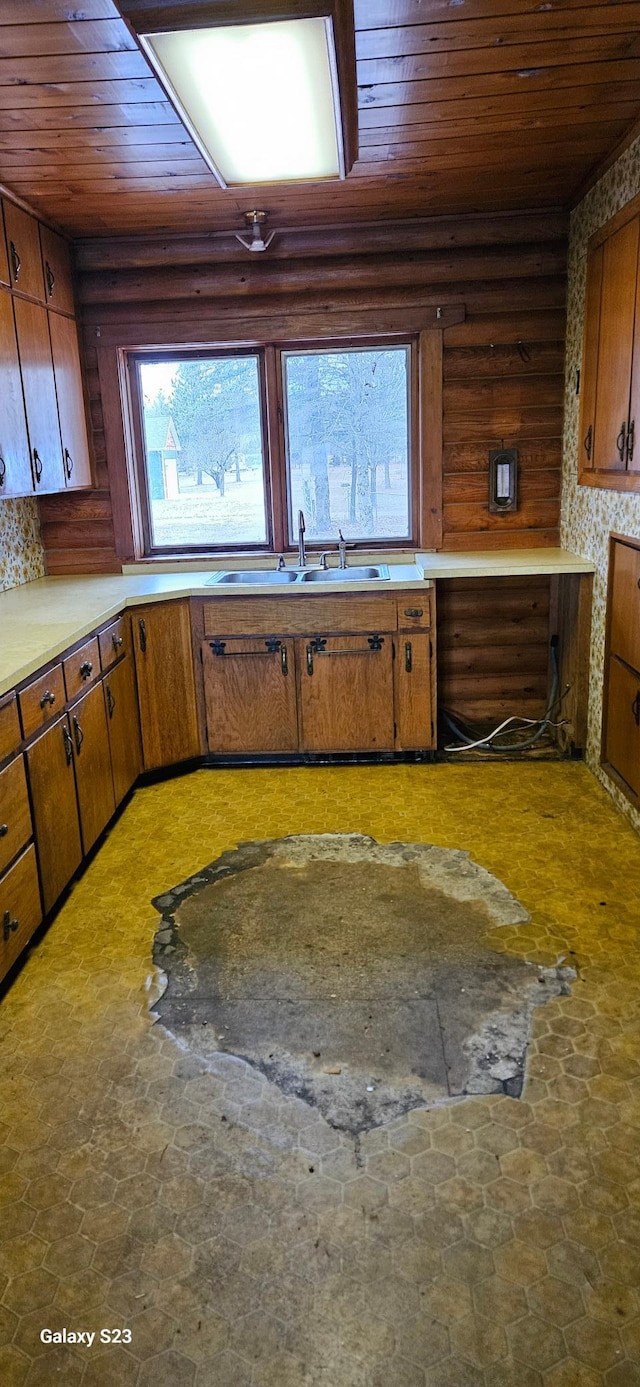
21	552
589	514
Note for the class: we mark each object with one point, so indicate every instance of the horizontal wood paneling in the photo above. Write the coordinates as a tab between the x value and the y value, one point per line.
493	651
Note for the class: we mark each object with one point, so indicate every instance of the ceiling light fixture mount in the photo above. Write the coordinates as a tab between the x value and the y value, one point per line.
256	221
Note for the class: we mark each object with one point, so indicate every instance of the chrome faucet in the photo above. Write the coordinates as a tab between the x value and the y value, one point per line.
302	562
322	561
342	550
281	563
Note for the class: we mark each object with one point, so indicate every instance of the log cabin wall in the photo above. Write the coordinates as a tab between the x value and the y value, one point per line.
503	385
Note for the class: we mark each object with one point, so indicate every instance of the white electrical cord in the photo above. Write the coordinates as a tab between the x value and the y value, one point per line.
490	736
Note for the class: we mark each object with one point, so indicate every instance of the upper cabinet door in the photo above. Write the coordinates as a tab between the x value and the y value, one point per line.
15	464
36	367
56	263
590	358
73	422
4	258
23	244
615	347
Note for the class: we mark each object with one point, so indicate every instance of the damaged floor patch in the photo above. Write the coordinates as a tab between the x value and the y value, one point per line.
357	976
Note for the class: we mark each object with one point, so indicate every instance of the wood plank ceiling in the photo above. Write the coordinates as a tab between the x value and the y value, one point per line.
465	106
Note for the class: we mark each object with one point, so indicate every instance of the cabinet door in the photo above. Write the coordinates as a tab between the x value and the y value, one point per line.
5	277
23	244
36	366
94	781
412	679
124	727
56	263
250	694
346	693
622	734
55	809
166	684
70	393
589	374
15	461
15	814
624	627
20	908
615	347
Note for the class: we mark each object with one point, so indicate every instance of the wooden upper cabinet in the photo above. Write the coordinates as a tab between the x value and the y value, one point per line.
58	275
4	258
23	245
36	365
166	684
15	461
70	394
610	382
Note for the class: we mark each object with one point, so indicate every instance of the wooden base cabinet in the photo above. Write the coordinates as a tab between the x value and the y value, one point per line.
622	737
413	679
124	726
55	809
94	782
20	909
621	722
166	683
250	695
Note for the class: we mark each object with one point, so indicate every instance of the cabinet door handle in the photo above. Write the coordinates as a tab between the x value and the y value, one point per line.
16	263
635	709
620	440
3	470
85	669
68	463
9	926
142	628
588	442
37	464
68	745
78	734
4	829
309	659
50	278
408	657
284	663
111	702
631	440
47	697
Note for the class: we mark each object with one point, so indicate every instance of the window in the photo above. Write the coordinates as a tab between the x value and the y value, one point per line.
347	442
204	463
231	446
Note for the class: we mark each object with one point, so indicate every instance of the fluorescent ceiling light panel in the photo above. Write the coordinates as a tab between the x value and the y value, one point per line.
260	99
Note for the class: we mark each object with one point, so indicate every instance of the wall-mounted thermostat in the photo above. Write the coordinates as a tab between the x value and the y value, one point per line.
503	480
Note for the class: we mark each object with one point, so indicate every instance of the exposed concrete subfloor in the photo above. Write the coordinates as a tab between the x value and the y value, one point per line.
244	1241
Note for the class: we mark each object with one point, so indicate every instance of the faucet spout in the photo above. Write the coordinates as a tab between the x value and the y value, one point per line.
302	561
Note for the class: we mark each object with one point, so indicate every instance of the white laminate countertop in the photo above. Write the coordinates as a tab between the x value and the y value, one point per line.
39	620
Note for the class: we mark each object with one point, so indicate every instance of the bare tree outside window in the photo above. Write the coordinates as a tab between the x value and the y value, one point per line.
348	442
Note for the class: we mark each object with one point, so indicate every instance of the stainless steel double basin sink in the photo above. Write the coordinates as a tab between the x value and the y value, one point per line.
272	577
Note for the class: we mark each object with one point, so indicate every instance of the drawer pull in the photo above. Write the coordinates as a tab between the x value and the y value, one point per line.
68	745
78	734
16	263
86	668
9	926
111	702
414	611
4	829
47	697
117	641
635	709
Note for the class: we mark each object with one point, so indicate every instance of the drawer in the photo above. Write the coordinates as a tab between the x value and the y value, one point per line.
114	642
20	910
414	610
622	734
624	638
42	700
10	734
15	814
81	668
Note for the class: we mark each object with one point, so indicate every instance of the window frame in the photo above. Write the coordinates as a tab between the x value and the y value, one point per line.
422	506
